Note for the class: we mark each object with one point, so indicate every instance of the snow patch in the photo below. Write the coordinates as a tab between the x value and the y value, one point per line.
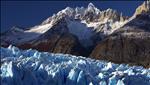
40	29
83	32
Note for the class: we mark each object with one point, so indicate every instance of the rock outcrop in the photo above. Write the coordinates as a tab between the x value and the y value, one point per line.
145	7
126	48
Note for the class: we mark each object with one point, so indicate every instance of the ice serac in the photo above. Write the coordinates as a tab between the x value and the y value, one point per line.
128	44
30	67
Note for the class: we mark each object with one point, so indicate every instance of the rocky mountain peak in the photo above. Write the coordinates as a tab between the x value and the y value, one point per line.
91	7
145	7
89	14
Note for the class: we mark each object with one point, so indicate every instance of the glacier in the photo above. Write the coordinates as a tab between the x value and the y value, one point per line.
30	67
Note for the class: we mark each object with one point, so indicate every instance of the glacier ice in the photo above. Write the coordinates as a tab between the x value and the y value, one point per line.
30	67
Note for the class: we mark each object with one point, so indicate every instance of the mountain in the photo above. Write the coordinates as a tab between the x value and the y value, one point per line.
130	43
30	67
86	25
99	34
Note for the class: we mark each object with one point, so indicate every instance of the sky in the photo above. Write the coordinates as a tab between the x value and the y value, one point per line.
30	13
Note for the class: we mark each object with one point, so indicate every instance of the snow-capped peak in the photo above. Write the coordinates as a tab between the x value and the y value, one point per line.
68	11
91	6
145	7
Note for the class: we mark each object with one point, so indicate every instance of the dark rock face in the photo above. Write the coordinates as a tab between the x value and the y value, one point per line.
66	43
129	44
42	45
124	49
69	44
